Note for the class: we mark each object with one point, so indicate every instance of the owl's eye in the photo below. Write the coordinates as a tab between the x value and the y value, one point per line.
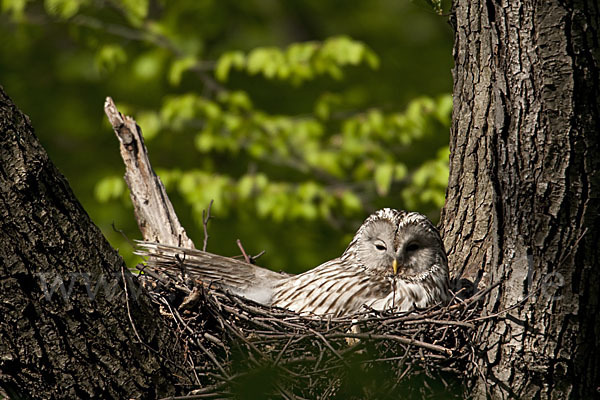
412	247
380	245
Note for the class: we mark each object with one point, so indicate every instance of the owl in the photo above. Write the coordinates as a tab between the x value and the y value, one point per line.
395	262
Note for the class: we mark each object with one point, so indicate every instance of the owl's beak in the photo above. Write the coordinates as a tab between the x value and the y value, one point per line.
395	266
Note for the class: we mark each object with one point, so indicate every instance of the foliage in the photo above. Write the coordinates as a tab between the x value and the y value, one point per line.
276	110
346	172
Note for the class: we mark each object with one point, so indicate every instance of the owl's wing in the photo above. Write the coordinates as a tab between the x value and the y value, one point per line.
333	288
239	277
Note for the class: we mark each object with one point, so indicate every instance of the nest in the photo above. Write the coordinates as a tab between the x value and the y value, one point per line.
238	348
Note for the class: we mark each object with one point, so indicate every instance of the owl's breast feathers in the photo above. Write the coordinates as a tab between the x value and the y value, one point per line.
337	288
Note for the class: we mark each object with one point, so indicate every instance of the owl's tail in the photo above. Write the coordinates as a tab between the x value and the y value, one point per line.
247	280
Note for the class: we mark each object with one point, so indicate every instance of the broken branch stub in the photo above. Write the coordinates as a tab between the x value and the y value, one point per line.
154	212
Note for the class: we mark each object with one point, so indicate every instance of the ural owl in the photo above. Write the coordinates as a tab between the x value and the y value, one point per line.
395	262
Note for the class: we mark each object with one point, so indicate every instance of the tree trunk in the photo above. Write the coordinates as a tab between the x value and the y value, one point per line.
522	202
75	340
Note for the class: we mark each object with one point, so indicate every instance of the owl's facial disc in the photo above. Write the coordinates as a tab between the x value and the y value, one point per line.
374	247
405	254
402	245
417	251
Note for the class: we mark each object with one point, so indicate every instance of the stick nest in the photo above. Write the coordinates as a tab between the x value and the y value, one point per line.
238	348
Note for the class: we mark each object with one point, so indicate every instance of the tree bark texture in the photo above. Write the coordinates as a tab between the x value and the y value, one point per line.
522	204
69	345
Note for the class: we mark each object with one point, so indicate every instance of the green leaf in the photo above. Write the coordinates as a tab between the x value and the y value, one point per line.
15	7
325	160
150	124
376	121
257	150
135	10
169	177
245	186
263	59
384	174
232	59
212	111
351	202
443	110
205	141
232	122
324	103
261	181
307	191
149	66
62	8
400	171
110	187
371	58
109	56
300	61
240	99
301	53
322	109
179	67
188	183
335	71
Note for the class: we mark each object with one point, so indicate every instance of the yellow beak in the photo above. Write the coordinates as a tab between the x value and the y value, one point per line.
395	266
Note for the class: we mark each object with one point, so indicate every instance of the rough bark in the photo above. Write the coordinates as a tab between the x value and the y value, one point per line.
77	344
522	203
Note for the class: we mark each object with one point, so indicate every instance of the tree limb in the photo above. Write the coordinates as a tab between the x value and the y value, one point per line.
154	212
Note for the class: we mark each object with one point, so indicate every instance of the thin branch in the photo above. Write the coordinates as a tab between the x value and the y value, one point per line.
205	218
239	243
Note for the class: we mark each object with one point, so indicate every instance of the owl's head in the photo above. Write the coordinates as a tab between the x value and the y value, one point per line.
392	242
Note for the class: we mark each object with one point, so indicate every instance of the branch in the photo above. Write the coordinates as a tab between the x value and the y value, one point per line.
154	212
205	218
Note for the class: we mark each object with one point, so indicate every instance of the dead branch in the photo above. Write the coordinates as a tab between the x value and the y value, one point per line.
154	212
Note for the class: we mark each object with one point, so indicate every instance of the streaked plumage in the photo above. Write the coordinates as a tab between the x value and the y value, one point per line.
363	276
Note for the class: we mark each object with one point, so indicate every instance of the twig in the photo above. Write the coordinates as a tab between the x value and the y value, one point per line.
311	353
254	258
127	304
239	243
120	231
205	219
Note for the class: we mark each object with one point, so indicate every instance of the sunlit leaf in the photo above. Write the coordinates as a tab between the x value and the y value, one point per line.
179	67
205	141
149	65
150	123
351	202
109	56
108	188
384	174
245	186
135	10
15	7
227	61
63	8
